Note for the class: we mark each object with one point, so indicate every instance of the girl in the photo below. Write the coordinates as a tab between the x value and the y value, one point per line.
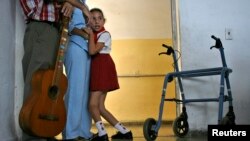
103	78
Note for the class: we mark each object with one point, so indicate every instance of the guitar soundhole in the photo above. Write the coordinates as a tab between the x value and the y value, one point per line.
53	92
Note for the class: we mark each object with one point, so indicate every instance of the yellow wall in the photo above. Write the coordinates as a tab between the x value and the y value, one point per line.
141	74
136	19
138	29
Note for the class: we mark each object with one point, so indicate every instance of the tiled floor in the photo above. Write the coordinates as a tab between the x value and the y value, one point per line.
165	133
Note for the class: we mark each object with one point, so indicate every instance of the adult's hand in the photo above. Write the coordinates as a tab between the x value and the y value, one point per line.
83	7
67	9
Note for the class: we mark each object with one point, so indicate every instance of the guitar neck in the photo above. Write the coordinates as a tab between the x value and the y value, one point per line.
62	47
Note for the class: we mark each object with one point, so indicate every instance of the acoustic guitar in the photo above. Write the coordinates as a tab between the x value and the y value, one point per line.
43	113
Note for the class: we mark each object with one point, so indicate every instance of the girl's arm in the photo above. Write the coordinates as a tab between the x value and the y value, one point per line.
94	48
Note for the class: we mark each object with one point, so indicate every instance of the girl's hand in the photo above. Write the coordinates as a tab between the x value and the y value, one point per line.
88	30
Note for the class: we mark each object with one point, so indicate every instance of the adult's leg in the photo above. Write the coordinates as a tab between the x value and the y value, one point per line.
77	64
40	46
86	116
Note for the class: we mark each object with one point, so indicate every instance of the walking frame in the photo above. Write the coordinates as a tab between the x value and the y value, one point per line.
180	124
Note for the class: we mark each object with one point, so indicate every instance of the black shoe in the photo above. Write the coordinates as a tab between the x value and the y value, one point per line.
81	139
100	138
51	139
76	139
119	135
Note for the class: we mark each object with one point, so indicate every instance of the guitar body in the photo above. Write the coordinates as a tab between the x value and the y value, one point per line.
43	113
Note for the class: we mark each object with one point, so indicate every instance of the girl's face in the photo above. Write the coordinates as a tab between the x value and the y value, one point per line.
97	21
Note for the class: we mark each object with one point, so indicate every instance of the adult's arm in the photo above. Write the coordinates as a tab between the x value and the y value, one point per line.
78	4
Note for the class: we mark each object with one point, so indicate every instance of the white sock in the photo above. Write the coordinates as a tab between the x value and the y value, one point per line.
101	129
121	128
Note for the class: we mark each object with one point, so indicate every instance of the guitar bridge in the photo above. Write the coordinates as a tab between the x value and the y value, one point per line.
48	117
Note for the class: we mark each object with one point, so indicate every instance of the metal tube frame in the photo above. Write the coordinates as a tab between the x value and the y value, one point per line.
224	77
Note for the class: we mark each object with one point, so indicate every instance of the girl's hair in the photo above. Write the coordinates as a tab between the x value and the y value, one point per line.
97	10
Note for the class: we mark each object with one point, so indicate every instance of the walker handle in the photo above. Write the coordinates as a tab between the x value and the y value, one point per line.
166	46
218	43
215	38
169	51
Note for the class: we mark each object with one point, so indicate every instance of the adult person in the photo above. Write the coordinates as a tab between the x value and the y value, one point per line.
41	37
77	66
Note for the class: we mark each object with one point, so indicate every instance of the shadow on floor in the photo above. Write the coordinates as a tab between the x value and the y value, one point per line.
165	133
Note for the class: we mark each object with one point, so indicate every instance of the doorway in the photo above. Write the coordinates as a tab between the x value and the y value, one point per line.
138	29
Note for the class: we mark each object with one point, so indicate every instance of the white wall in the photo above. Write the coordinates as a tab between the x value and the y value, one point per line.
19	83
199	20
8	129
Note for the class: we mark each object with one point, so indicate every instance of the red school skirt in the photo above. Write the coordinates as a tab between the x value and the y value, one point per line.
103	76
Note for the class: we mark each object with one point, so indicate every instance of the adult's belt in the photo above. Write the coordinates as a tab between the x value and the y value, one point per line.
54	24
